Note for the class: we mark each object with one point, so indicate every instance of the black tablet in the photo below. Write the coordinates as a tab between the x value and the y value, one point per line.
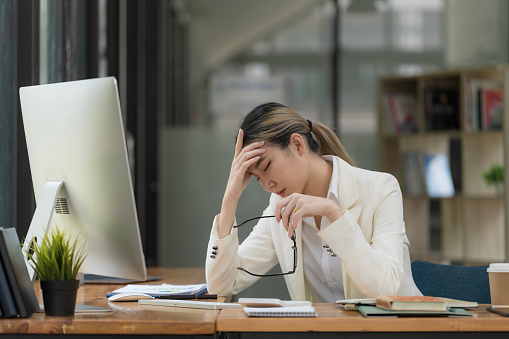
499	310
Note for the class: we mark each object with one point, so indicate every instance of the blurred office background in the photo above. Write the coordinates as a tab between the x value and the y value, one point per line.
188	70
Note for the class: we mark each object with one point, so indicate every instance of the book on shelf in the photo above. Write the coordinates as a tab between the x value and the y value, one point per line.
401	111
430	173
21	285
411	303
441	109
483	105
286	311
438	176
455	156
413	173
492	107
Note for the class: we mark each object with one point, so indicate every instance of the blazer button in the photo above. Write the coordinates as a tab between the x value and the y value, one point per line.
214	252
213	256
214	247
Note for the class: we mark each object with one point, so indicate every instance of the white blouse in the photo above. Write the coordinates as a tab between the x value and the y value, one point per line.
322	267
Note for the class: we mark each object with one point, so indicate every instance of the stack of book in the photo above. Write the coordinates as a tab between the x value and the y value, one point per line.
483	104
411	306
441	109
401	113
428	173
17	295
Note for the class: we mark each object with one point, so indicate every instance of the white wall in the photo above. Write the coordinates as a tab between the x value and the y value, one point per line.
476	32
219	29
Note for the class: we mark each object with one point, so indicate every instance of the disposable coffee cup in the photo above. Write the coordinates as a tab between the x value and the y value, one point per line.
499	284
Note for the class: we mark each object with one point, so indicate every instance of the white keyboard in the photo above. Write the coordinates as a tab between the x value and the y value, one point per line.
188	303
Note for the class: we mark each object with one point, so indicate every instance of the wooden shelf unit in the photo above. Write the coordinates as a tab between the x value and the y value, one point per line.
471	227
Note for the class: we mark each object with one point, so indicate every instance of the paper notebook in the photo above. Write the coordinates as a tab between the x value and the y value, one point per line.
286	311
271	302
161	290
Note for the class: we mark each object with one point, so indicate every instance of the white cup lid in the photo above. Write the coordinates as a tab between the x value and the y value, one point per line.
499	267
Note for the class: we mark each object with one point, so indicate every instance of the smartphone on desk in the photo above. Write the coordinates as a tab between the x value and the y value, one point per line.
499	310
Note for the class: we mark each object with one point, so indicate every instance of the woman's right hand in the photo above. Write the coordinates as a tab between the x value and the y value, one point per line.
237	182
243	159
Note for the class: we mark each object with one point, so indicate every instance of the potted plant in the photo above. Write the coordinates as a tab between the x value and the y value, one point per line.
495	176
56	260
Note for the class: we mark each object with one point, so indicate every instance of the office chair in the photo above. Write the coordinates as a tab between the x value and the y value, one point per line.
469	283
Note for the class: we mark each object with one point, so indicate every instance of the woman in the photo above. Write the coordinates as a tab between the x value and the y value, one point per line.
348	222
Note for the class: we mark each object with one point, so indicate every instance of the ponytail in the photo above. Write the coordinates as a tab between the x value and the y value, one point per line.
328	143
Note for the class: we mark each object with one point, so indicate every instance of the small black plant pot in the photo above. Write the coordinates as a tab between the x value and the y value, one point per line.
59	297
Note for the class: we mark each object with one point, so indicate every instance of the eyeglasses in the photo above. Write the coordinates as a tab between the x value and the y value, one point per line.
294	247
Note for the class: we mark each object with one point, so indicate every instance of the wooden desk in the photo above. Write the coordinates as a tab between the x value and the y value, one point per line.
333	319
127	318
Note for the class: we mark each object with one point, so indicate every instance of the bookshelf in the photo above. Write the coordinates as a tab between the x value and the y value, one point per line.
459	114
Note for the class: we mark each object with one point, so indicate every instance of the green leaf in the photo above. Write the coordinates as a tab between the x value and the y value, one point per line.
56	257
494	174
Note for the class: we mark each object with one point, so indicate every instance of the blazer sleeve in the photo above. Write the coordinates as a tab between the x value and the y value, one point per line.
375	266
256	254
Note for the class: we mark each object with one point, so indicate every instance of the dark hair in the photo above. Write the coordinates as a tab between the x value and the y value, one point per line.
275	123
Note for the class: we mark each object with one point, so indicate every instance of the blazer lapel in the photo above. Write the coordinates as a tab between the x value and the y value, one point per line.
350	201
356	211
349	192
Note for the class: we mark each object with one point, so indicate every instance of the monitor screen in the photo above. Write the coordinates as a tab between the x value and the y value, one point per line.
81	177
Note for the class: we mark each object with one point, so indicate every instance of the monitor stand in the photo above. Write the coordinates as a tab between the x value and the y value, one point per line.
101	279
41	220
41	224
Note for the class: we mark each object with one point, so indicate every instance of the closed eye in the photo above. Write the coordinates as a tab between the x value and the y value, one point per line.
266	167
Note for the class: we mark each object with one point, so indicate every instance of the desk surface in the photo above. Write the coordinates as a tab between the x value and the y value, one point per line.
333	318
131	318
127	317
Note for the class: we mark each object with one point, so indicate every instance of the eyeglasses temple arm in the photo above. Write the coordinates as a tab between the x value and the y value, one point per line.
248	220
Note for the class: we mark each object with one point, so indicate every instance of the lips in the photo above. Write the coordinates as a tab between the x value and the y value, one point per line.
281	193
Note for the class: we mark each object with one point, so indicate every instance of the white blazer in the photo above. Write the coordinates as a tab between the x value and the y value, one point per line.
369	238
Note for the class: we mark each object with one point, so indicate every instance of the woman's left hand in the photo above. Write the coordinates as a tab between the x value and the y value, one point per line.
297	206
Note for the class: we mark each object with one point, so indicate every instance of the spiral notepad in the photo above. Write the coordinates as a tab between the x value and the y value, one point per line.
290	311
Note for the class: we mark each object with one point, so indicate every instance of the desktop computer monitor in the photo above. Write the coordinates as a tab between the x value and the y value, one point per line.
81	177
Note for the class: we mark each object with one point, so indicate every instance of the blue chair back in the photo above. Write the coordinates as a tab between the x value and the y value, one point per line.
470	283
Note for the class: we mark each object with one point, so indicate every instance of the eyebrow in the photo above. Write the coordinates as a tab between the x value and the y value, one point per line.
258	163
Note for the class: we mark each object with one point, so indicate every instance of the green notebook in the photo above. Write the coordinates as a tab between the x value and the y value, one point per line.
373	311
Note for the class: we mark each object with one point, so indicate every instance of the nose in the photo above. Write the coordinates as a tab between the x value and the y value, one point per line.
267	184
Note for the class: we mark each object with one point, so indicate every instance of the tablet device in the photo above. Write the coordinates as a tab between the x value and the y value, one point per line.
499	310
